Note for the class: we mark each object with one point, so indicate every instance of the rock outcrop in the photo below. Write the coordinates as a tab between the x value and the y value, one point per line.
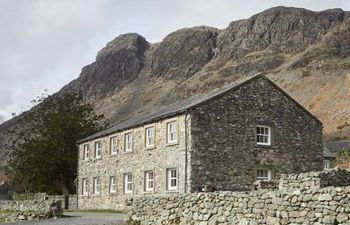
306	53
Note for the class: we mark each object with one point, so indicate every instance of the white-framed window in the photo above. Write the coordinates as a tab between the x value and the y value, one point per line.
263	135
128	183
149	180
172	132
112	184
97	149
85	186
113	145
264	174
149	139
86	152
97	185
128	142
326	164
172	178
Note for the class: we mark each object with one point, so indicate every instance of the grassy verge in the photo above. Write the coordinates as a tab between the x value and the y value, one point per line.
97	210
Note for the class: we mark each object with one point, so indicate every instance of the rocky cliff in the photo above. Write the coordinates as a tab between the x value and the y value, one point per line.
306	53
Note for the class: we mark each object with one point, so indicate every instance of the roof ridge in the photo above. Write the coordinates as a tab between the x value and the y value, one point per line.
181	107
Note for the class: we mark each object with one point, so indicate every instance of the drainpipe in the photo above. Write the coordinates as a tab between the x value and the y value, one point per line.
186	150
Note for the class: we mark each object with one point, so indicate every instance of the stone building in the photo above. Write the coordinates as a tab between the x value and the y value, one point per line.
223	141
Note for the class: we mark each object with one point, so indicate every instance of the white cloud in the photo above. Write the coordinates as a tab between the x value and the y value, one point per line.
44	44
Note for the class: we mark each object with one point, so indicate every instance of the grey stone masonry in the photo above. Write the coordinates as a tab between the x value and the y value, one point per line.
225	153
224	141
159	158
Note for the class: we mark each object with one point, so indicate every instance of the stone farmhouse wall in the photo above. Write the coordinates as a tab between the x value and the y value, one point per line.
216	147
327	205
225	154
141	159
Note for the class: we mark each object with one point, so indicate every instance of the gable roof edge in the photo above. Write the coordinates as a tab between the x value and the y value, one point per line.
293	100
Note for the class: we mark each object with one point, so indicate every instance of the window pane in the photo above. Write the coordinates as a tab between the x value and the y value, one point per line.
263	135
172	179
172	133
149	136
128	141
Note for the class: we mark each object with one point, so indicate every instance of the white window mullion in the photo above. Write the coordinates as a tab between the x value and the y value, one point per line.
263	135
113	146
97	149
85	186
264	174
128	142
97	185
86	152
149	137
113	185
172	179
128	184
149	178
172	132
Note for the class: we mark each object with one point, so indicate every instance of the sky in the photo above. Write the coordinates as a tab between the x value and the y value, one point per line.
45	43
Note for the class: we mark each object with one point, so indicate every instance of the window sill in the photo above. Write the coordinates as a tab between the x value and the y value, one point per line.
171	191
128	193
150	148
171	144
113	155
96	159
96	195
263	146
113	193
128	152
84	195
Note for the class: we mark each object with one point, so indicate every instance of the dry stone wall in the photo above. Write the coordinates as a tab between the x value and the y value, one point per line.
11	211
313	180
288	205
44	196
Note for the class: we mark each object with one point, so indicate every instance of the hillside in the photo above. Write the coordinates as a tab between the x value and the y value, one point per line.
306	53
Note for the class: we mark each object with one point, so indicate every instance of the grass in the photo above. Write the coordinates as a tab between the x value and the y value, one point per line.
5	211
97	210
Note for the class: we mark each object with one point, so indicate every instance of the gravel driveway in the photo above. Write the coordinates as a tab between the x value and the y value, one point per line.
80	218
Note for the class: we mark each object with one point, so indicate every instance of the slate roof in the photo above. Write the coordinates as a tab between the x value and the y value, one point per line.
180	108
